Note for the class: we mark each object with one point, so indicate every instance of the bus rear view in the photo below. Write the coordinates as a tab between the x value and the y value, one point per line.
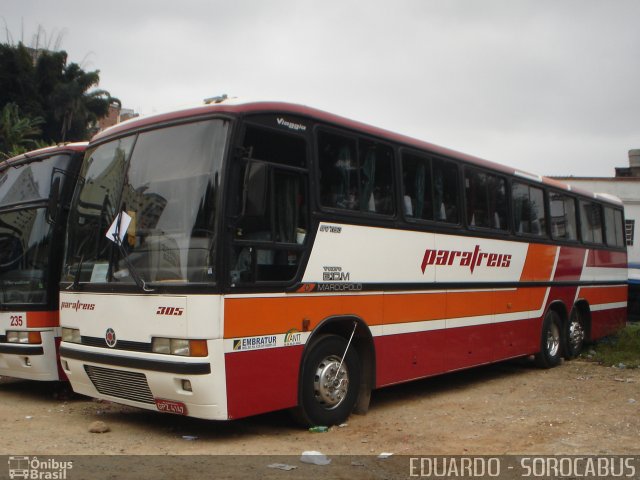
35	190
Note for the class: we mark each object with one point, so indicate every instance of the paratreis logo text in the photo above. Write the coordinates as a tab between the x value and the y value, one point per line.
473	259
77	306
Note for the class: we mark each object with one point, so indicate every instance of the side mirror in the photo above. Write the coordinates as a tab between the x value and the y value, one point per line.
54	200
254	195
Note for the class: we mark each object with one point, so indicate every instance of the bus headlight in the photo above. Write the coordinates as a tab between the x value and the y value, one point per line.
14	336
71	335
179	346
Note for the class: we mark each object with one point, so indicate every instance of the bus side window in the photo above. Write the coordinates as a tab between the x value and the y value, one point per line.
528	209
430	188
591	222
613	227
445	191
486	200
376	178
416	182
563	217
338	171
355	175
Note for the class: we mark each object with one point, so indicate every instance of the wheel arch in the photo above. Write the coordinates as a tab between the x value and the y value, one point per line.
560	308
343	325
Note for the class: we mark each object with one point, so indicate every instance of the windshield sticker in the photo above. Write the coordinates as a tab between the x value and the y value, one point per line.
124	219
99	273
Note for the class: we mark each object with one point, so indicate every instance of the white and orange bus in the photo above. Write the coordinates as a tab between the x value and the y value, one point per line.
239	258
35	191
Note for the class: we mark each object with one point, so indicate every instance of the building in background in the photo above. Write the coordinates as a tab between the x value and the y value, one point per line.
626	186
116	115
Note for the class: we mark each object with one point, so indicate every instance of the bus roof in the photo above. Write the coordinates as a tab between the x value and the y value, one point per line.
236	107
46	151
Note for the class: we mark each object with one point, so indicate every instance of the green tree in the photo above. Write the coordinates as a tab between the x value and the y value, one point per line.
18	80
18	134
43	84
71	107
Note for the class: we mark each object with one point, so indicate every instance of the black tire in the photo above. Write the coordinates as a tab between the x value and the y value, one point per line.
575	334
321	403
550	341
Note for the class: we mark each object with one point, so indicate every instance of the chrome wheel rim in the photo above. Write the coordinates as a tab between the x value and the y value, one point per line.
553	340
331	382
576	335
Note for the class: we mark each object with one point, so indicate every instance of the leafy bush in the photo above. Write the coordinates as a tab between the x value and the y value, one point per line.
622	350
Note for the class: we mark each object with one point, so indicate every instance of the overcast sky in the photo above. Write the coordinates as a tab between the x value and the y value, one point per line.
548	86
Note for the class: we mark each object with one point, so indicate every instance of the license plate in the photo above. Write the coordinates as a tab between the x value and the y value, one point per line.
169	406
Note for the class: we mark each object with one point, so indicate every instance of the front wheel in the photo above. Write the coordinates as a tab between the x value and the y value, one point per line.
328	384
550	341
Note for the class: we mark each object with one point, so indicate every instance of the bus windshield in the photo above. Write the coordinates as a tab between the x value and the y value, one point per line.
165	182
25	232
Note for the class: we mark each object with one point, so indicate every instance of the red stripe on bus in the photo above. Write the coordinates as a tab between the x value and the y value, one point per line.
401	358
607	322
607	259
260	381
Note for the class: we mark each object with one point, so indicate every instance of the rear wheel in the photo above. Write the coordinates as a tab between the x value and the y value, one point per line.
550	341
328	384
575	334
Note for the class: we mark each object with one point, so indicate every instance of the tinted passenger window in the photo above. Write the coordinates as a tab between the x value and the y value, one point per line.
613	227
355	174
528	209
563	217
591	222
430	188
486	200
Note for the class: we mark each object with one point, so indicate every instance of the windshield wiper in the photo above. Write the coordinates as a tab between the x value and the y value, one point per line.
76	275
125	256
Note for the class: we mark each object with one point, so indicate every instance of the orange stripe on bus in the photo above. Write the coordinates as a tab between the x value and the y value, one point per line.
260	316
246	317
43	319
414	307
604	295
539	263
469	304
519	300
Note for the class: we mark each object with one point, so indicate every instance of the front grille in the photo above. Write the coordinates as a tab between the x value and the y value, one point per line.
120	384
120	345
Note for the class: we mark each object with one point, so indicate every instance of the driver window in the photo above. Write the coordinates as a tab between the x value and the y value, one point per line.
272	218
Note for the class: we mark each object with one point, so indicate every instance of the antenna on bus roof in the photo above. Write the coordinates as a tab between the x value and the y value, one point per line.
218	99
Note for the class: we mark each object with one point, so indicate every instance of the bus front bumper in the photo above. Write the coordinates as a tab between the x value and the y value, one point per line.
185	386
31	361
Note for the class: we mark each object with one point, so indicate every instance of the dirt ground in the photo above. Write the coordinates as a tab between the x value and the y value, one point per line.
508	408
578	407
